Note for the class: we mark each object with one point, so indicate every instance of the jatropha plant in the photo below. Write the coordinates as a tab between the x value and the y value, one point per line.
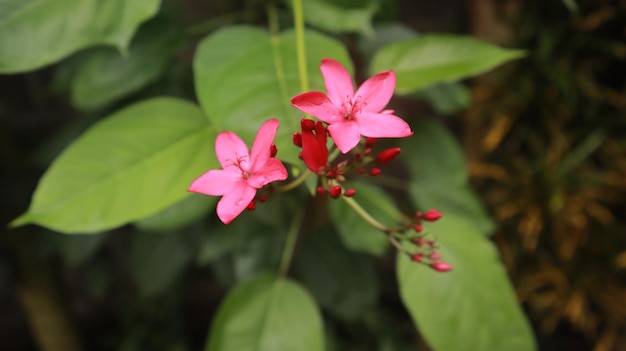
354	121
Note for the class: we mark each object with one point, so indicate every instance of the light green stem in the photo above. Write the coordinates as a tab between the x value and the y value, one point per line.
301	178
365	215
298	16
290	244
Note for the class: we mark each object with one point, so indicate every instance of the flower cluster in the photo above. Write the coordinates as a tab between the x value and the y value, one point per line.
353	120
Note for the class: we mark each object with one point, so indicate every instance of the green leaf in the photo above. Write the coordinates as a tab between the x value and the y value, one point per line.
338	16
188	210
384	33
267	314
344	282
437	58
156	260
241	86
447	98
474	303
126	167
106	75
356	233
35	33
439	175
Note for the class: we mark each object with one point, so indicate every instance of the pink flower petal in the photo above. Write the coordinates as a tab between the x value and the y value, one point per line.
261	148
317	104
215	182
377	125
346	135
272	171
376	92
338	82
231	151
235	201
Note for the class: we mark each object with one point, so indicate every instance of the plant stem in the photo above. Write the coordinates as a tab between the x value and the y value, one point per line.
298	16
365	215
290	244
301	178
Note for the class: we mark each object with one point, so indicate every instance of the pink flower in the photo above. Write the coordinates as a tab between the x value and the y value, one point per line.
351	114
242	173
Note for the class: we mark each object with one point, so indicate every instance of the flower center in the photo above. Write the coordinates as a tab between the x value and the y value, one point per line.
352	107
242	164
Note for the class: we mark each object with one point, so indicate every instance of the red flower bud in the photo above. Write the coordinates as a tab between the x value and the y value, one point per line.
386	156
350	192
335	191
262	198
441	266
251	206
314	150
367	152
370	142
417	258
361	170
418	228
320	190
297	139
432	215
375	171
434	256
273	150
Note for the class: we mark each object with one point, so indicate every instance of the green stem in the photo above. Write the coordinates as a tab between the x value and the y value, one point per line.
290	244
301	178
298	15
365	215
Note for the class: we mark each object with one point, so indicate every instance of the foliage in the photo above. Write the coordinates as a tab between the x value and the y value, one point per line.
123	182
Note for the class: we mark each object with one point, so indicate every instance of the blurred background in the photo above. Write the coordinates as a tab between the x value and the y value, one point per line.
545	137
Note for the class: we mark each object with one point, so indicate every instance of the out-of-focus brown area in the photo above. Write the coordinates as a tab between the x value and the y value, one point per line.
546	137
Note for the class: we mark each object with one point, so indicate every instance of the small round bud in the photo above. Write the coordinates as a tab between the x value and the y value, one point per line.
441	266
350	192
370	142
361	170
297	139
434	256
273	150
251	206
418	228
262	198
417	258
367	151
432	215
387	155
375	171
335	191
320	190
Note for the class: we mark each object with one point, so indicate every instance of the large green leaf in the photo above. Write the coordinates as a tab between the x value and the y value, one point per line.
191	208
126	167
356	233
439	175
437	58
267	314
244	76
340	15
106	75
473	307
35	33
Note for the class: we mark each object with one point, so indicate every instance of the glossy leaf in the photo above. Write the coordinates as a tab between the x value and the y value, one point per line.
438	58
267	314
106	75
241	86
344	282
439	175
187	210
35	33
356	233
338	16
126	167
475	302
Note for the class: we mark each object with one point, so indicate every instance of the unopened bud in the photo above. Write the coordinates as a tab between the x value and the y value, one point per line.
386	156
367	151
434	256
335	191
418	228
262	198
320	190
350	192
361	170
297	139
375	171
417	258
441	266
251	206
273	150
432	215
370	142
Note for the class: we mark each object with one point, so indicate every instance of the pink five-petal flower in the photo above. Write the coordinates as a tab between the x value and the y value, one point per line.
242	173
352	114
